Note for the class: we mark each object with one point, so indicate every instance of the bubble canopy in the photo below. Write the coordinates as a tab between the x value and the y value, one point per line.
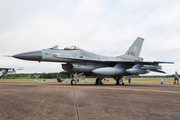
64	47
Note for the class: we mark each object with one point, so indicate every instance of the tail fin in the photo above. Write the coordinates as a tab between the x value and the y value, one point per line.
135	48
134	51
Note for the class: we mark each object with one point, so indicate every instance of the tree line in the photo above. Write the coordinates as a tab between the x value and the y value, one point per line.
54	75
33	75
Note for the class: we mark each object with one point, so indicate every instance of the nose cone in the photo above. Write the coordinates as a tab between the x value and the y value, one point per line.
34	56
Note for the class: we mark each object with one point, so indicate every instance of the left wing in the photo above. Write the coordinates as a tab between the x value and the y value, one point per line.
115	60
152	66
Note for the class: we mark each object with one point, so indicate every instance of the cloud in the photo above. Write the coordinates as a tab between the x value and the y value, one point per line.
100	26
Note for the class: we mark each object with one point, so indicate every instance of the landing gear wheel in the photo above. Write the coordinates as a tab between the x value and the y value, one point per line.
129	80
119	81
73	82
98	82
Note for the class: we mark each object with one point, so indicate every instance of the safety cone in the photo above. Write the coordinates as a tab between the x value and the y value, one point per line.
86	80
161	80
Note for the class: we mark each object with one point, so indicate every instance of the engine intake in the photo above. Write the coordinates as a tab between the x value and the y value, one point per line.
77	68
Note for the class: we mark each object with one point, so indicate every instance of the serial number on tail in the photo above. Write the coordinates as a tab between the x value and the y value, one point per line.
131	53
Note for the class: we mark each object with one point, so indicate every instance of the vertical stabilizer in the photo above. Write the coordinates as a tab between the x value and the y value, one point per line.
135	48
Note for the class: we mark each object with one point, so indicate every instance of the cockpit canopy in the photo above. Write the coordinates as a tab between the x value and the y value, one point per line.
64	47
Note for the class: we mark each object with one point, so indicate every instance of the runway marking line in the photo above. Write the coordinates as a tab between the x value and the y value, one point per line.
143	90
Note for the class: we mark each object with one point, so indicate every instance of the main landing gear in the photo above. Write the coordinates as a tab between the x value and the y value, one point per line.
119	81
99	81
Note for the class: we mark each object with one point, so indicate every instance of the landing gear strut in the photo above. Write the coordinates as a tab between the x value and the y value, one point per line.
98	81
73	82
119	81
129	80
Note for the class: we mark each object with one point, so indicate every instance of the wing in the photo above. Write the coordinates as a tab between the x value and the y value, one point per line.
152	66
141	62
116	61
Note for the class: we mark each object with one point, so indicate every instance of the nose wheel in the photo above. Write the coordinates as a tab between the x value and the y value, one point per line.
73	82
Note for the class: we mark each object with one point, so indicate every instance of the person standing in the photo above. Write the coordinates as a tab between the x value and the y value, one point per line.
58	78
104	78
176	78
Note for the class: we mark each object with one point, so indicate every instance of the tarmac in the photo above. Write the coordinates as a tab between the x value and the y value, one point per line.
86	101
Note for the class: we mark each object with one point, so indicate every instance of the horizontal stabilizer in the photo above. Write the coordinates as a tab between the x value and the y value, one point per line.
164	62
155	70
152	67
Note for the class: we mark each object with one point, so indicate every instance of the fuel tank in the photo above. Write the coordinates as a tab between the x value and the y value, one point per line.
136	71
109	71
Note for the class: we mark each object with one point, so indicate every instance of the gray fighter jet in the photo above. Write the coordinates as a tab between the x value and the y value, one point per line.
80	63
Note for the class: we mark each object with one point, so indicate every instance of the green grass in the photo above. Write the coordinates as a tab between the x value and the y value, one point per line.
29	80
152	80
92	80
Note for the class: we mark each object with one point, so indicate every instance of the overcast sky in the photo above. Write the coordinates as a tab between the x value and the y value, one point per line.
106	27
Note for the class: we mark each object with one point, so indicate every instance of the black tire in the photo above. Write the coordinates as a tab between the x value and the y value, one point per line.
97	81
119	81
129	80
73	82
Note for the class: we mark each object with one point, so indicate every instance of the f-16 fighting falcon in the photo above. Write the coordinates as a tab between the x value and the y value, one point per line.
79	63
8	70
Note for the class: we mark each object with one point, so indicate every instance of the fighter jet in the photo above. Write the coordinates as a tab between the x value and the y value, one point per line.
80	63
4	71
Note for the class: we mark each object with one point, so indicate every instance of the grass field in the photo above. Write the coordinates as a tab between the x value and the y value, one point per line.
92	80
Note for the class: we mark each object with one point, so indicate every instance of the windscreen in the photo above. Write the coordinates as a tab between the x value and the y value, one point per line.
64	47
